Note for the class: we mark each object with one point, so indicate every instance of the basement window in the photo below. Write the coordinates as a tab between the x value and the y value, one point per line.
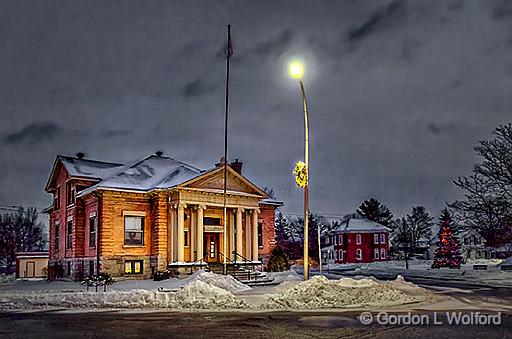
133	267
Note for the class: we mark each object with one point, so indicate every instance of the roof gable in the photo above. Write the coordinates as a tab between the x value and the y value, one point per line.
360	225
214	180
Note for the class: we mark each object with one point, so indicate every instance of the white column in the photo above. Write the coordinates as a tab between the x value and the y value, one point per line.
247	230
231	235
192	230
239	214
255	234
200	250
181	232
172	224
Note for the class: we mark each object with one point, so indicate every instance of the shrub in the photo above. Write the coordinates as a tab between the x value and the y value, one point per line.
278	261
162	275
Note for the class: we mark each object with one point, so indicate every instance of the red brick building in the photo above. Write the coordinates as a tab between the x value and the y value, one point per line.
141	217
356	240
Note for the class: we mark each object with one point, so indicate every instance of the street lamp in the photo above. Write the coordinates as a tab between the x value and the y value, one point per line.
296	71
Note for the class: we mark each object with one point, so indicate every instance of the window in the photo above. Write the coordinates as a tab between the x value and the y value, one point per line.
70	193
208	221
375	238
260	234
383	253
56	239
185	241
133	230
335	239
383	238
376	253
133	267
92	231
359	254
341	254
91	268
69	239
340	239
56	202
337	255
358	239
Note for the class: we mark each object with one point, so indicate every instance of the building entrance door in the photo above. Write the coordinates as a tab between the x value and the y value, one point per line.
211	247
30	269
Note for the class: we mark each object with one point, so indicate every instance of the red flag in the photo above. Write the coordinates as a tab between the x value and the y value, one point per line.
230	44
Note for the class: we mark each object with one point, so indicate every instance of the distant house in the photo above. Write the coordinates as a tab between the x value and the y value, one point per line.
31	265
473	246
130	220
356	240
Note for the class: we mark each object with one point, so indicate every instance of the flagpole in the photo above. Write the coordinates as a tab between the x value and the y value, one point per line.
229	51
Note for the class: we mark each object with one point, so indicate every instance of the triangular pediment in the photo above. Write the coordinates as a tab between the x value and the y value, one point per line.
215	180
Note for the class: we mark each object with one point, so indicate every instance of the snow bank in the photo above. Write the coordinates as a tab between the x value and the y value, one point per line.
319	293
225	282
195	295
279	277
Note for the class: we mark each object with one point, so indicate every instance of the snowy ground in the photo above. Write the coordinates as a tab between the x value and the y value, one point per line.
209	291
494	276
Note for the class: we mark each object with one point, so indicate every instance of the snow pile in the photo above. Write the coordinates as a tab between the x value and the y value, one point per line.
225	282
319	292
196	295
200	295
279	277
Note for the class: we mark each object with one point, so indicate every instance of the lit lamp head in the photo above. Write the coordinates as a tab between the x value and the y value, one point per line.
296	69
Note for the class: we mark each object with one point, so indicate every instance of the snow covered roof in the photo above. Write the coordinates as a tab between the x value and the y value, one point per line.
359	225
88	168
272	202
150	173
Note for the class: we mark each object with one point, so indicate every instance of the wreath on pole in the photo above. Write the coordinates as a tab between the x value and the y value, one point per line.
301	174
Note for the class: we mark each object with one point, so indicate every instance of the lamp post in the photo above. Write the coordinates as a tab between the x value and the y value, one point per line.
296	71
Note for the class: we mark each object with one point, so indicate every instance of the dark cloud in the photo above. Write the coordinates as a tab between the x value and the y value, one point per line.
197	87
439	128
380	19
35	133
502	10
274	46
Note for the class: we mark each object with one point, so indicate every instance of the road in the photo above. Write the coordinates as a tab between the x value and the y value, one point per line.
225	325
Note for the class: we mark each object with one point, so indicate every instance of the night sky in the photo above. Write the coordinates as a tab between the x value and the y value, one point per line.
399	92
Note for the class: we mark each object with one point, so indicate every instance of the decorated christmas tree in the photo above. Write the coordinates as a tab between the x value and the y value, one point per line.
448	250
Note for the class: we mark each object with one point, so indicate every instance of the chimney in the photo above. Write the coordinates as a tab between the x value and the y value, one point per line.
237	166
159	153
80	155
221	162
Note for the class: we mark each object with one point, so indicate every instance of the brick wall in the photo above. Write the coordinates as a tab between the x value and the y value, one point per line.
266	217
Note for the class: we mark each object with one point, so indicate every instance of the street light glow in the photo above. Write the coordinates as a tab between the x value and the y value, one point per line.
296	69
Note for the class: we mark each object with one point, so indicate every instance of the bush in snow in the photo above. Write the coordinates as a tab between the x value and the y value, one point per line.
102	279
162	275
278	261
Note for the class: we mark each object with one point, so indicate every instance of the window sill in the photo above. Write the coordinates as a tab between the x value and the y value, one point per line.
133	246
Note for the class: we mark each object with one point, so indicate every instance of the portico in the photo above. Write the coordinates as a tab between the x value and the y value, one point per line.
196	228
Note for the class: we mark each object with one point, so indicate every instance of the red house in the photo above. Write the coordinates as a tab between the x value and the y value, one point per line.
356	240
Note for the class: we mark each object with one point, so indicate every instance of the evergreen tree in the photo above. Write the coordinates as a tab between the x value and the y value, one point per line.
448	251
374	210
278	261
281	229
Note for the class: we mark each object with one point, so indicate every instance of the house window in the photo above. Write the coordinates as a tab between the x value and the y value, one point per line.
340	254
340	239
383	253
70	193
382	238
260	234
337	254
56	239
185	241
133	230
56	203
359	254
69	239
358	239
335	239
375	238
133	267
92	232
376	253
